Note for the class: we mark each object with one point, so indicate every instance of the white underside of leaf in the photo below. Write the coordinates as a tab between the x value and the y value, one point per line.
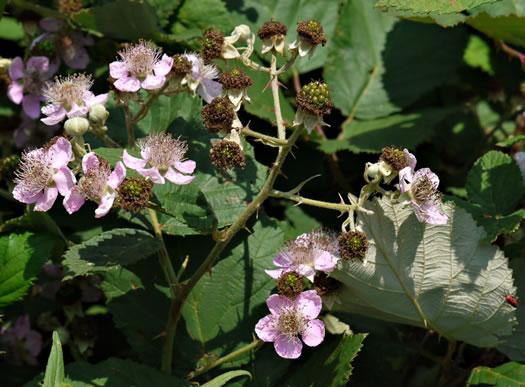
440	277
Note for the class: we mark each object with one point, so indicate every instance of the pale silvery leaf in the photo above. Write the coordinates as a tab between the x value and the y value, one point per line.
421	274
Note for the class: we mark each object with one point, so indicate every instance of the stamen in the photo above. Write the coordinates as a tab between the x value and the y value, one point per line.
140	58
161	150
35	172
67	90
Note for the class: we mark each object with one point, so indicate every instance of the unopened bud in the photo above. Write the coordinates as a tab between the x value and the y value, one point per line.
4	65
98	115
76	127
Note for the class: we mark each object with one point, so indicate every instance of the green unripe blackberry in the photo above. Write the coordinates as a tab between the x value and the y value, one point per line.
312	31
235	79
218	115
315	98
181	65
227	155
134	194
290	284
352	244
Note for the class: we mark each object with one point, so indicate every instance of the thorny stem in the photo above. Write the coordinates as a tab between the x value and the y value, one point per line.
266	139
511	51
171	279
281	130
316	203
145	107
224	359
227	236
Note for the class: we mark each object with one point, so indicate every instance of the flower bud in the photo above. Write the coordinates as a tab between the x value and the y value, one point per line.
8	166
290	284
98	115
352	244
242	32
4	65
76	127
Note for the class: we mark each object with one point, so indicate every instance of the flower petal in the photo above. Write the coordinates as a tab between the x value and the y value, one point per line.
282	260
276	304
153	82
46	201
313	333
187	166
38	64
54	113
74	200
153	174
275	274
15	92
163	66
266	328
133	162
20	194
90	160
410	158
127	83
76	57
106	202
405	179
325	262
16	70
31	105
60	153
429	213
288	348
209	89
309	304
178	178
91	99
64	180
428	174
50	24
117	176
118	69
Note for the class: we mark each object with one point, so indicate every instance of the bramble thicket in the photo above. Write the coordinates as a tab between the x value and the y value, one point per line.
262	193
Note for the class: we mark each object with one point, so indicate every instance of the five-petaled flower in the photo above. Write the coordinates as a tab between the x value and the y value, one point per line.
98	184
162	157
20	343
140	66
27	84
288	320
201	78
43	174
421	187
69	96
308	253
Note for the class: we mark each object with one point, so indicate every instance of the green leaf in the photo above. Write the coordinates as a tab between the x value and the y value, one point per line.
378	65
40	222
116	373
334	361
108	251
55	364
477	54
511	141
405	130
510	374
121	19
21	258
514	347
116	283
203	14
439	6
495	183
220	311
221	380
438	277
10	28
297	222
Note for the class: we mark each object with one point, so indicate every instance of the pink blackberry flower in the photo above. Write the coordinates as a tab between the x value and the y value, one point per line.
20	343
288	320
201	78
43	174
27	84
98	184
70	45
421	186
69	96
162	157
140	66
308	253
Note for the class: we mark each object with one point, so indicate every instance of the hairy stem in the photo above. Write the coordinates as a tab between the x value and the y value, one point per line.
266	139
171	279
281	130
311	202
143	111
129	126
224	359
